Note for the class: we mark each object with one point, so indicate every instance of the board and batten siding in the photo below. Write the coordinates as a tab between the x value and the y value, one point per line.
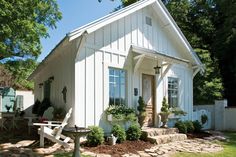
61	66
109	46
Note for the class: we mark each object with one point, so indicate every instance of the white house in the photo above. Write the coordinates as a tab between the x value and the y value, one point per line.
112	61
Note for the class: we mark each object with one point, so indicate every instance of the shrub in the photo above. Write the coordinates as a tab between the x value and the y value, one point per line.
44	106
189	126
204	119
133	133
197	126
181	126
118	132
95	136
141	111
59	113
35	108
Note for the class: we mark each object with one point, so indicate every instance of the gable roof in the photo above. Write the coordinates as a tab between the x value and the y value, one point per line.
158	6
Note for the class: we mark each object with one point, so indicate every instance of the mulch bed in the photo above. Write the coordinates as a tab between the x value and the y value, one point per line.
120	149
198	135
132	146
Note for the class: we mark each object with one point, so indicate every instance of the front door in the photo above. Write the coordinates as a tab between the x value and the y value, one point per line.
148	97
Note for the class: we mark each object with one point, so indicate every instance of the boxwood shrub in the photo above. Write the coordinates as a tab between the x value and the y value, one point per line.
181	126
133	132
189	126
118	132
95	137
197	126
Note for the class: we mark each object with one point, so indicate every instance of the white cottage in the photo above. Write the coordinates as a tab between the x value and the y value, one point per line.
136	51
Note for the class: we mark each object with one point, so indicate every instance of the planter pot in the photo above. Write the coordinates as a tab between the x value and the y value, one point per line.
141	120
164	119
111	118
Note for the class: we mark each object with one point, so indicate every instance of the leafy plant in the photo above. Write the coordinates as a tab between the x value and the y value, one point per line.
165	106
121	112
197	126
189	126
204	119
95	137
177	111
118	132
59	113
142	105
133	133
44	106
141	111
35	107
181	127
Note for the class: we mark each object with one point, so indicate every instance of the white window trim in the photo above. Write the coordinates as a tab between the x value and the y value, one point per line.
126	83
178	94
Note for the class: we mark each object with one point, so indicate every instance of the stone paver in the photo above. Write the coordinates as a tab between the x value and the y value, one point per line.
191	146
163	150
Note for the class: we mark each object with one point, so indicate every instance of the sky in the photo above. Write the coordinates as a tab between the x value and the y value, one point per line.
75	13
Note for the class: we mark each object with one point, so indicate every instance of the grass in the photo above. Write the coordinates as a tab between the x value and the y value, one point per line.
229	149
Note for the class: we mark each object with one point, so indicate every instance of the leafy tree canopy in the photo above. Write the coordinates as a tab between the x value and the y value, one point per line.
6	78
22	23
21	70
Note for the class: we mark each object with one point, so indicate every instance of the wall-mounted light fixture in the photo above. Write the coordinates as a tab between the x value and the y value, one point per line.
40	85
51	78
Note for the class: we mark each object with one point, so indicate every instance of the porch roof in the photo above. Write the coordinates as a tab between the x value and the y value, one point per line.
152	54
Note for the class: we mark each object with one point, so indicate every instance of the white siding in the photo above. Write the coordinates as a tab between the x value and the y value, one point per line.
61	67
109	47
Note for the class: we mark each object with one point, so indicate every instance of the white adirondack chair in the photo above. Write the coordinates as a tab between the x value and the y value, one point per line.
46	131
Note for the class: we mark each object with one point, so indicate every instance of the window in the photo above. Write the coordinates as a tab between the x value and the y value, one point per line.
117	86
148	21
173	91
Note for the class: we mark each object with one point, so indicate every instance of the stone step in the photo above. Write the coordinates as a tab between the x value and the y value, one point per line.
149	132
161	139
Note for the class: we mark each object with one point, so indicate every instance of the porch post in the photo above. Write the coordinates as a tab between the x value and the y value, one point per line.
157	118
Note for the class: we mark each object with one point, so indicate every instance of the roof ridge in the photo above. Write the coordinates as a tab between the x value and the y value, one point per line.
110	15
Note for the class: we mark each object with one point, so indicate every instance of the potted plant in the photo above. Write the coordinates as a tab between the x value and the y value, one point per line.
120	113
141	111
176	112
164	113
8	107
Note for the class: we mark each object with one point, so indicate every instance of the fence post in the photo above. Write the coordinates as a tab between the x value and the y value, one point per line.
220	114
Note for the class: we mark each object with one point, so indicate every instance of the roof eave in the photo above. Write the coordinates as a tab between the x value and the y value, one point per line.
42	64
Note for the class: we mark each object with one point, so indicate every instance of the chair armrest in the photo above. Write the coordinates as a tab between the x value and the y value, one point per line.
45	124
50	122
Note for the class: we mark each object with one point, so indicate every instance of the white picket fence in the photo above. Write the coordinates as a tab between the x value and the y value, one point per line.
198	114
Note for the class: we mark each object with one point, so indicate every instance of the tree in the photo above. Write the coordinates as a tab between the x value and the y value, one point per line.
22	23
21	70
208	86
225	46
197	21
6	78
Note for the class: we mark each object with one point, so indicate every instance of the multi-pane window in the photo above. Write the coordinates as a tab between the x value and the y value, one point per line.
117	86
173	91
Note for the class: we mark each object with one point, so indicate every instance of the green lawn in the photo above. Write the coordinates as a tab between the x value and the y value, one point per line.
229	149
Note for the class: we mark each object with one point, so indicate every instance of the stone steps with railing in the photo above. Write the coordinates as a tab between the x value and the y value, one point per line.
162	135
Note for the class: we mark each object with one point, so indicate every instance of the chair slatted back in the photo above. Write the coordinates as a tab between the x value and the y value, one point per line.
64	123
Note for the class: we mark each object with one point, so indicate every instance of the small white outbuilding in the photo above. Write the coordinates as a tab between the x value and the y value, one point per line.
136	51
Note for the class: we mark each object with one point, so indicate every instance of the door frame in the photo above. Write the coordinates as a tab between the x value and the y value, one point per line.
153	95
